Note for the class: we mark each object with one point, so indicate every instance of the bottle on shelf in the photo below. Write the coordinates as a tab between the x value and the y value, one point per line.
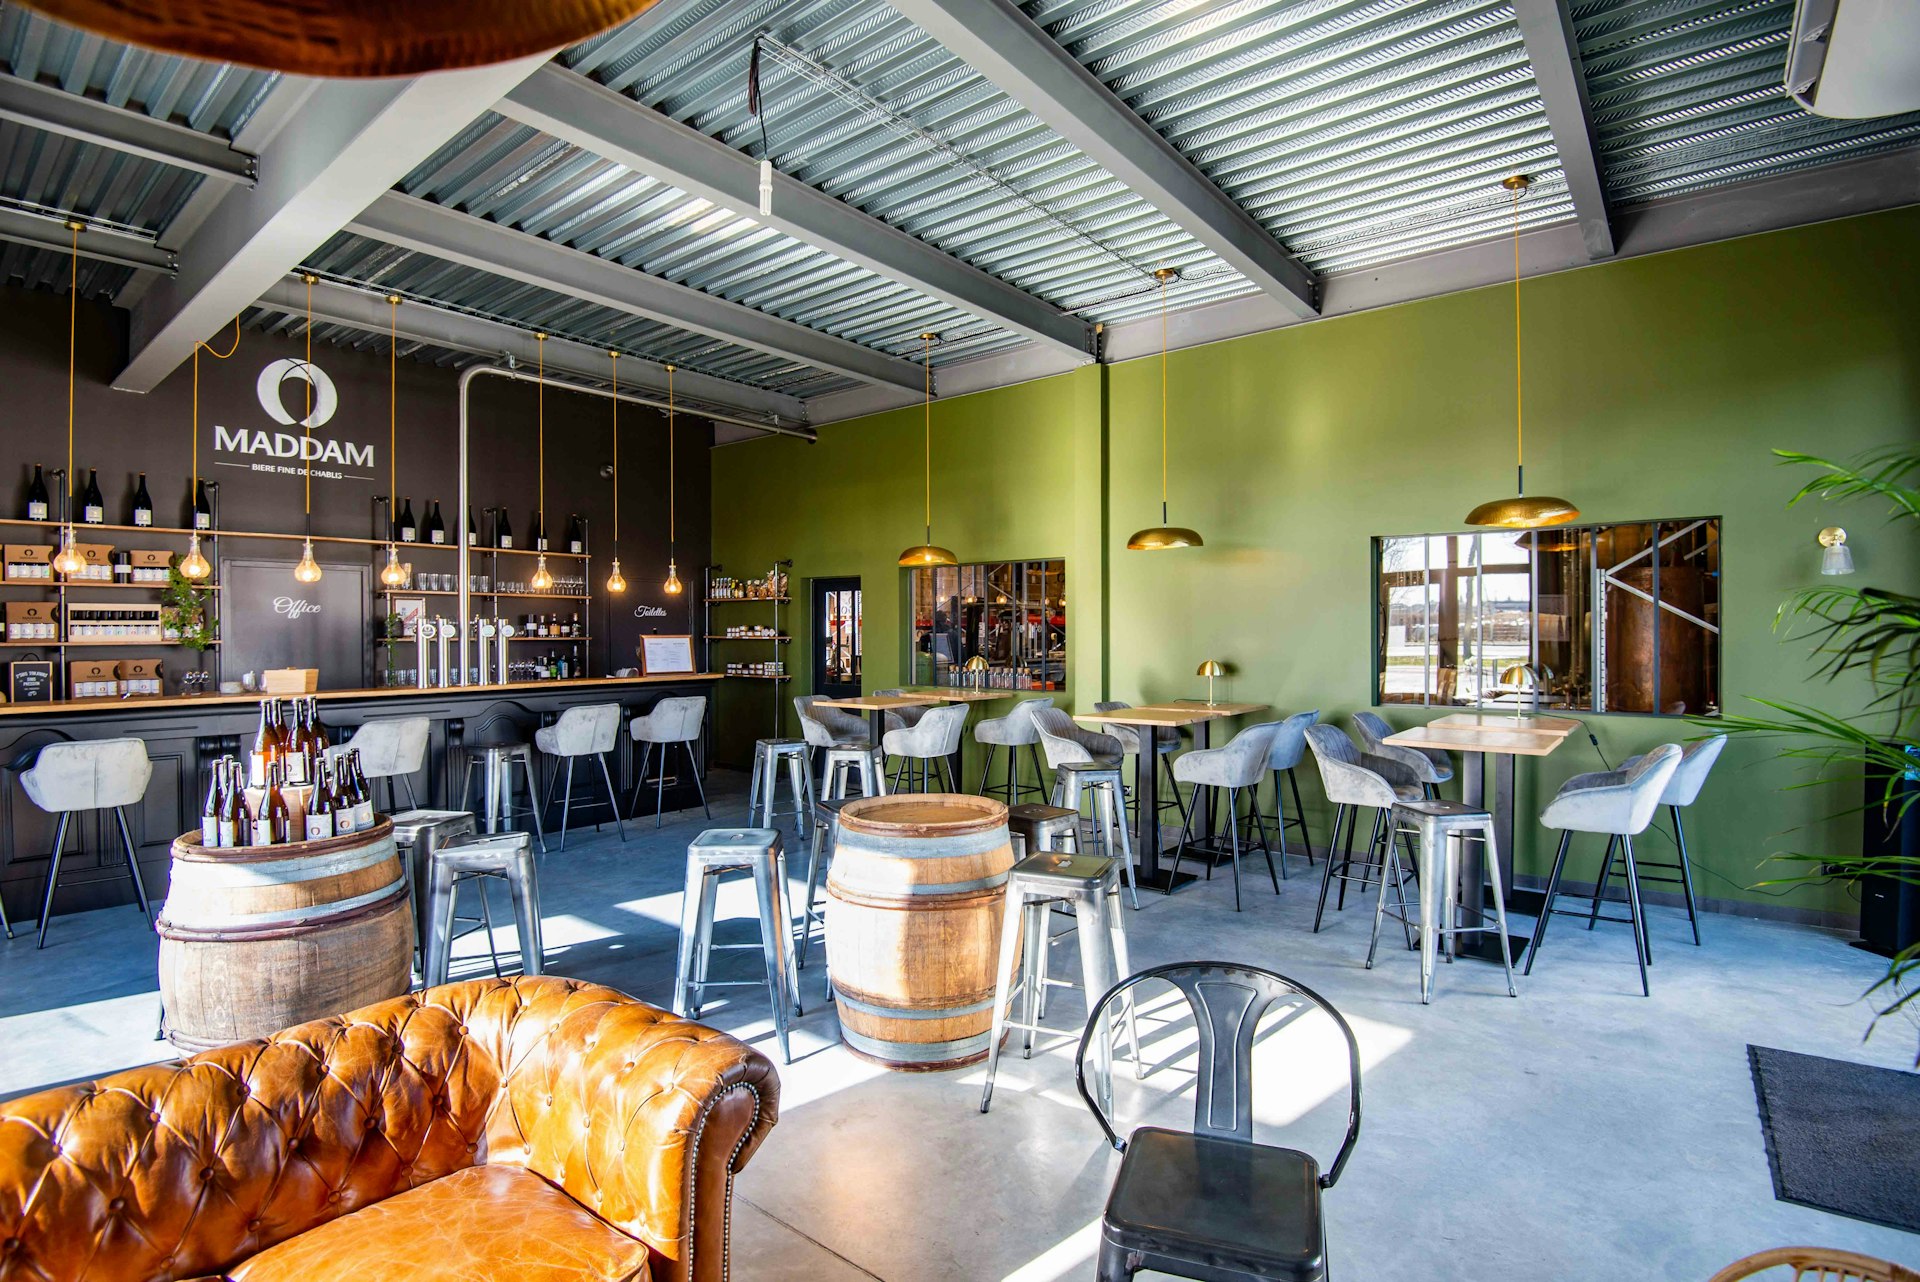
574	631
320	806
93	508
271	816
297	760
409	531
39	503
576	535
342	801
202	510
142	503
435	528
362	795
503	533
267	744
537	539
320	740
214	806
233	812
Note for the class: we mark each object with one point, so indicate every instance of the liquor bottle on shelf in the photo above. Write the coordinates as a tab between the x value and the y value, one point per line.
142	503
503	533
362	794
320	806
409	531
202	510
473	529
435	528
574	631
214	806
576	535
537	540
233	813
39	503
93	508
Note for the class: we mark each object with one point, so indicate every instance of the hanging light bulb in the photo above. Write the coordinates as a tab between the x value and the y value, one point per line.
1156	538
928	553
672	586
616	582
308	571
194	564
68	560
1520	512
541	580
393	574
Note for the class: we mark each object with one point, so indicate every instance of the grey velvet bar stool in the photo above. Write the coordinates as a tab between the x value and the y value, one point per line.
1696	762
391	748
1231	769
1289	749
1356	781
506	856
67	779
712	856
925	747
844	744
1619	803
1430	766
587	730
672	722
1086	763
1012	732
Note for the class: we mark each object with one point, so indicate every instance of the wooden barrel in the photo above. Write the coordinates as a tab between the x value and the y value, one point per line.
255	939
914	905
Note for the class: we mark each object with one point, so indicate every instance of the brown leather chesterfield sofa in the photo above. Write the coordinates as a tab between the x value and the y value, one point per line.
525	1130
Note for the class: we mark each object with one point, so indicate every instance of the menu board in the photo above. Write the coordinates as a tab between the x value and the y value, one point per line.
663	654
30	681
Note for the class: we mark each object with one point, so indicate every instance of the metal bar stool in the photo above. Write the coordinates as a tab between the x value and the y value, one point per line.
1083	761
1037	828
1166	742
1444	827
826	830
508	856
1090	887
417	834
847	744
710	857
67	778
496	762
862	763
767	756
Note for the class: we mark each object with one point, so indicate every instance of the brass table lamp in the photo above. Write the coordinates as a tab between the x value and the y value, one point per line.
1210	669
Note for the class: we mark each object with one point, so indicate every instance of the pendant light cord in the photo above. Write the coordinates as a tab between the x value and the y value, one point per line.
1519	414
616	454
306	424
194	445
672	481
1163	400
393	399
926	362
542	413
73	323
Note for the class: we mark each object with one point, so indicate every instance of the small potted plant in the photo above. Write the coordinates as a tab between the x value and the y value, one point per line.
186	616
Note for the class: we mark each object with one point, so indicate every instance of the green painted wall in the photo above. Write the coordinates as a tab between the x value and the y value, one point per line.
1655	387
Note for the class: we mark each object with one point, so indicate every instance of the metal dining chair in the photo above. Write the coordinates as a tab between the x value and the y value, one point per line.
1821	1263
1212	1203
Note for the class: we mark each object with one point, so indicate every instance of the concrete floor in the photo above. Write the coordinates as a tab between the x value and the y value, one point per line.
1581	1131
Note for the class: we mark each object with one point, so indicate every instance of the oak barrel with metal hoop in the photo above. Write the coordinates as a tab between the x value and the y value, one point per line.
914	904
256	939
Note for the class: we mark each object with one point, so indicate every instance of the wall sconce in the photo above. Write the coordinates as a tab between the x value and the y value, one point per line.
1837	557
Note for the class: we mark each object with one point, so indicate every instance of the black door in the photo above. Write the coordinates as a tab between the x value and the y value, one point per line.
836	638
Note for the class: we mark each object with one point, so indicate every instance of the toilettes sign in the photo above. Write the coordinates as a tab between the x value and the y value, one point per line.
291	452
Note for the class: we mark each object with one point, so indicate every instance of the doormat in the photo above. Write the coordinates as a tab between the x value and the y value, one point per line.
1841	1137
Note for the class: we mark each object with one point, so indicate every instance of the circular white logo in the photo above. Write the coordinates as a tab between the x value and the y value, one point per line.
325	399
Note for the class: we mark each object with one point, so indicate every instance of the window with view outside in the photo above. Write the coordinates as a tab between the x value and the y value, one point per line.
1591	618
1012	614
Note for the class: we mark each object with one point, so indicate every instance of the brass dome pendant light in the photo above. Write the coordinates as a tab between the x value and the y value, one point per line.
929	553
541	580
393	574
1520	512
347	37
616	581
308	571
672	587
1157	538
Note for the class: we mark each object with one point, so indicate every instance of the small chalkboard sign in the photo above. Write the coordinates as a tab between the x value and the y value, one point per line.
30	681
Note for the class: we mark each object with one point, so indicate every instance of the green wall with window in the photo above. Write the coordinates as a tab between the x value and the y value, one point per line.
1655	387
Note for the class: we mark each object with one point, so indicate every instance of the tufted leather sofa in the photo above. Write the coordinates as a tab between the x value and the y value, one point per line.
527	1129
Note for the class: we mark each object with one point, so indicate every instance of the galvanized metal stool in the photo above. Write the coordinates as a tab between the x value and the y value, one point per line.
1104	779
840	761
1444	827
1091	887
767	756
710	857
1038	828
496	762
417	834
506	855
826	830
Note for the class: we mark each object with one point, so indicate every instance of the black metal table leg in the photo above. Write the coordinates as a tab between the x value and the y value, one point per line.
1488	784
1146	796
877	718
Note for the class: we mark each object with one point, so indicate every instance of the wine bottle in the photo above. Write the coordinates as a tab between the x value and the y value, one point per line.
320	806
320	740
473	529
576	536
436	528
202	510
233	815
538	540
39	503
213	807
503	533
299	748
265	744
362	795
343	820
263	832
142	503
409	529
93	508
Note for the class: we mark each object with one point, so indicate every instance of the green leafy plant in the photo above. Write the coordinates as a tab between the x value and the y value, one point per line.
1873	633
184	608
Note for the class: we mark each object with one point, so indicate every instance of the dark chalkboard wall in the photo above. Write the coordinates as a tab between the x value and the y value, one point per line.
250	452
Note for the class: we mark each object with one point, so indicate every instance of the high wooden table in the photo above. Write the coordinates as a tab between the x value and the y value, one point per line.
1147	720
1488	743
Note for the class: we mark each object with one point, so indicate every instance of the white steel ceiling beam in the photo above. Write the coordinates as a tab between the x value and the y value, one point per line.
491	247
106	244
135	133
1546	27
1000	42
575	109
350	141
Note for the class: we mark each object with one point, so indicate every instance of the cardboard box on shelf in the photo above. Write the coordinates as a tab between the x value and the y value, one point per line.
29	563
140	677
92	679
32	622
290	680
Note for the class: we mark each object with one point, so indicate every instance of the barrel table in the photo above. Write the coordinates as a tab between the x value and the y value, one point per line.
256	939
914	903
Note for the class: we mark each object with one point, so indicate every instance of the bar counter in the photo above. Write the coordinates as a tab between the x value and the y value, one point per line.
184	734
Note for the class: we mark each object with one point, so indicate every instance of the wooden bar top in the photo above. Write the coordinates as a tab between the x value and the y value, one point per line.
214	700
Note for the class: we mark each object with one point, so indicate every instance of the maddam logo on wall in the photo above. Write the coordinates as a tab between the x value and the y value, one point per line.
291	453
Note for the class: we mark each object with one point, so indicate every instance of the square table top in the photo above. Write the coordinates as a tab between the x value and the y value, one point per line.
1559	727
1503	740
966	694
880	702
1186	712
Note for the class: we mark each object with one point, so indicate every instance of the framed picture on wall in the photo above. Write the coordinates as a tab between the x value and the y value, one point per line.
411	610
666	654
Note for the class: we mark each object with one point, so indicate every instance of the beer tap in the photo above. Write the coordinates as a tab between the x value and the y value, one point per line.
488	630
423	632
444	632
507	631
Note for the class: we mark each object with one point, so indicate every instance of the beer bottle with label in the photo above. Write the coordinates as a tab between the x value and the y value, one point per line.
320	741
298	755
39	502
202	510
343	818
409	531
265	746
213	806
264	831
435	527
142	503
233	815
503	533
93	508
362	794
576	536
320	806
